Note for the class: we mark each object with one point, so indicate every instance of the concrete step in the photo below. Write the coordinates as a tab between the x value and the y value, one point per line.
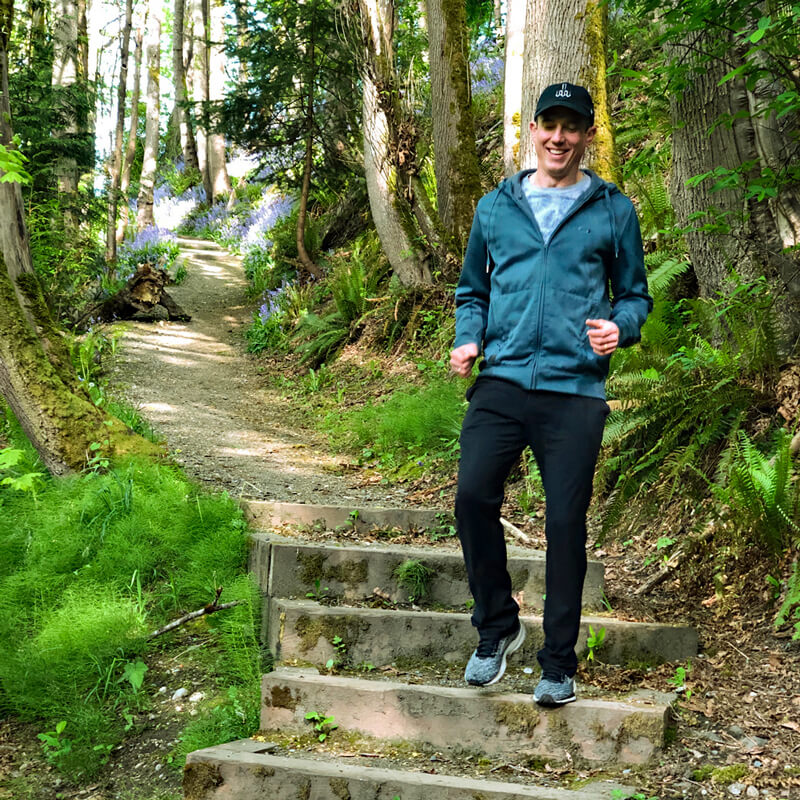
289	568
264	515
302	630
247	770
458	721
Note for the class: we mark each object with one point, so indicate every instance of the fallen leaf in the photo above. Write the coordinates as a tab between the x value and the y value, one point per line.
792	726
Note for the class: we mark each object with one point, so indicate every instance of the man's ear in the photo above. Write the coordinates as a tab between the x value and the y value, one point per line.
590	134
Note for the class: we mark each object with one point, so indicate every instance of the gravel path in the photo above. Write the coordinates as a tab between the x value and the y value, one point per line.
202	392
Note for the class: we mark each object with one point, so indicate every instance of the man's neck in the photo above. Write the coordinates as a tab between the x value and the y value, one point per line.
545	181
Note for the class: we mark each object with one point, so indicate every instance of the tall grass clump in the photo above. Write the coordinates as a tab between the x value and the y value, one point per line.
91	566
407	426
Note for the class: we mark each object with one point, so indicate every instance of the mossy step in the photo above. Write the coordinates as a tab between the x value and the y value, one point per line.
468	720
247	770
264	515
302	630
291	569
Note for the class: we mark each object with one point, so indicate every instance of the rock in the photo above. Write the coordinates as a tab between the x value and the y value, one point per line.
736	789
162	690
736	731
752	791
179	693
196	697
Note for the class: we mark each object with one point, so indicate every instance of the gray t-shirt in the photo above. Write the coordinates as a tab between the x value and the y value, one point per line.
550	205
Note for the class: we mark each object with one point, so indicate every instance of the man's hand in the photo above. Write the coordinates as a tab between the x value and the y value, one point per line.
462	359
603	336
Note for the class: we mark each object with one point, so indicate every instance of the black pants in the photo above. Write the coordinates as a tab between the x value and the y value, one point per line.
564	432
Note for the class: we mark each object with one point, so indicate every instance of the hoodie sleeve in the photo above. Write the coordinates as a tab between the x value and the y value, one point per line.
472	293
631	302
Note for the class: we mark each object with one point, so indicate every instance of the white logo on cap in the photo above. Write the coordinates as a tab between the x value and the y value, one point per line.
563	91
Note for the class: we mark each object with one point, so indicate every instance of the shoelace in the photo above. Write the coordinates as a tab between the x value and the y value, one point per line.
488	647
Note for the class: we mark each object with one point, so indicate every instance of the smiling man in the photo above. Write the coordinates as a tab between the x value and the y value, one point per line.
553	282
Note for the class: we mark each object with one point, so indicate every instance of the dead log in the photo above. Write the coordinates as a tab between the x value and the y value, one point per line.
144	293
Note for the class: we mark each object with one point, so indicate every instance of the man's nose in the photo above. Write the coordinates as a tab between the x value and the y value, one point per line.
558	132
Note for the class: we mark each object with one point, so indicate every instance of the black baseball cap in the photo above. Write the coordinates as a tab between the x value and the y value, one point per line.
567	95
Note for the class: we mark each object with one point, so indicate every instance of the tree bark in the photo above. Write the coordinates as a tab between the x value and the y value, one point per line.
302	253
116	160
512	84
130	147
566	41
742	236
458	182
387	149
144	214
181	120
200	90
220	180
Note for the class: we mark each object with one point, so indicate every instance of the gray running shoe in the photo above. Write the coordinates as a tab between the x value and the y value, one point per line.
554	690
488	663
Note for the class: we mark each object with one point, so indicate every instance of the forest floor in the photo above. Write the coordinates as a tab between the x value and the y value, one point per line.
737	720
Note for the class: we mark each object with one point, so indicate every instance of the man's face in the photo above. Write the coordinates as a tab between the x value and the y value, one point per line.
560	138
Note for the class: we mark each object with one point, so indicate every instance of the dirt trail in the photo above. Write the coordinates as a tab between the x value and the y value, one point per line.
202	392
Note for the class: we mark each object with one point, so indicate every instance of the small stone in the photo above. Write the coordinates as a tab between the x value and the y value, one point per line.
528	670
626	772
752	791
196	697
158	767
736	789
179	708
757	762
179	693
193	712
162	690
736	731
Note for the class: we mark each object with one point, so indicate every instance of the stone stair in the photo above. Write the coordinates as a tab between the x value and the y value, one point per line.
353	652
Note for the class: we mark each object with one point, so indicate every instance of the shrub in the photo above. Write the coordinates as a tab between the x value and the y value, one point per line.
153	245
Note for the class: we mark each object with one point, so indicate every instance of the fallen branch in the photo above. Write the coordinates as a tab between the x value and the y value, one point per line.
201	612
509	527
675	560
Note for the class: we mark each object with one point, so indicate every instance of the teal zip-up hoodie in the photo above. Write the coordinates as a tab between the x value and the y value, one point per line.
525	303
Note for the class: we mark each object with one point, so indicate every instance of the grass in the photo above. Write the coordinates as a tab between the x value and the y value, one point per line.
91	565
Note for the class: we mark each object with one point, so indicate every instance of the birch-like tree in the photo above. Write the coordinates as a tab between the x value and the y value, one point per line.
144	213
216	67
512	83
181	121
130	146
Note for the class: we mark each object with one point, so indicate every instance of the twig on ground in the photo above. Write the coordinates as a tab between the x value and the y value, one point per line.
509	527
674	561
201	612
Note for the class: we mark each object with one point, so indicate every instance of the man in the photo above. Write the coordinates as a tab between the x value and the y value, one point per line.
534	296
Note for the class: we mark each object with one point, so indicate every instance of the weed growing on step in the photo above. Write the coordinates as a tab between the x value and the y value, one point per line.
415	578
319	592
323	726
678	680
340	658
594	641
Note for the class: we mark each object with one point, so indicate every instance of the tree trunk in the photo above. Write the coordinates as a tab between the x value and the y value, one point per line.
188	143
458	182
566	41
512	84
66	71
36	378
133	134
200	91
745	236
385	150
116	160
220	181
144	214
302	253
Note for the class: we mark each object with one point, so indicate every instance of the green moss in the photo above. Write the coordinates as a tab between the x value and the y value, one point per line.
702	773
639	725
282	697
729	774
311	629
521	718
340	788
199	780
311	567
263	772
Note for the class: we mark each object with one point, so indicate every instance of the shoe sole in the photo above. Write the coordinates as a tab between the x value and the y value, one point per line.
547	700
512	648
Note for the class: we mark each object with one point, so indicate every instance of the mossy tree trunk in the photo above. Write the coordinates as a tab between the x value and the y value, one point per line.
116	158
144	213
458	182
130	147
566	41
730	232
36	378
384	152
512	84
